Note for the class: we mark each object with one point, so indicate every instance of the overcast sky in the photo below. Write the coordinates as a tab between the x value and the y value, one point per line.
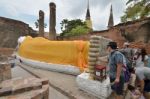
27	11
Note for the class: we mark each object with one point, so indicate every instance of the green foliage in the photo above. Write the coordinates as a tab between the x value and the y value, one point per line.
136	9
37	24
73	27
79	30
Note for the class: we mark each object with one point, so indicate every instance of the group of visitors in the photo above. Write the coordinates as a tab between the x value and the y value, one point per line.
126	64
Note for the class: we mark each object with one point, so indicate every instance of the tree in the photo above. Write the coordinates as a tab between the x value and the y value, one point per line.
37	24
136	9
73	27
79	30
64	24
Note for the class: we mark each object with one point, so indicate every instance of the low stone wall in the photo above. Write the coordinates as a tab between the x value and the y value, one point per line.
25	88
6	51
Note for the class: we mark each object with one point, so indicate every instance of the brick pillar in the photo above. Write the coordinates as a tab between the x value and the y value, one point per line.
52	21
97	49
93	54
41	23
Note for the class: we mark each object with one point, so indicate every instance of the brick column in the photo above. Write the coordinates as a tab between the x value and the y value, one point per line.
52	21
41	23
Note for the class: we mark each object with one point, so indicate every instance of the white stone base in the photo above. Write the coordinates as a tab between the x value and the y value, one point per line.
99	89
68	69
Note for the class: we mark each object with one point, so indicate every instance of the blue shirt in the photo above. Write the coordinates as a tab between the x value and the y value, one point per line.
115	58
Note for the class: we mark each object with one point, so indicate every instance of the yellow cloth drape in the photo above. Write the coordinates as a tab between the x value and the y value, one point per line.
58	52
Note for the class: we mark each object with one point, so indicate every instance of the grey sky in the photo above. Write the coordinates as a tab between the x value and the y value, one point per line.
27	11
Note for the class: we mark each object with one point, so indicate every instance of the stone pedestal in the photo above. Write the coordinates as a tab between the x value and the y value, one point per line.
102	90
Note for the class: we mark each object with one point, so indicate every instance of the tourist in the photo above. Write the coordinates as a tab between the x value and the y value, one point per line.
143	80
128	50
128	53
141	58
115	70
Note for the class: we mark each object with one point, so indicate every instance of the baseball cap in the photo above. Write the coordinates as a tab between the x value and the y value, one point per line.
113	45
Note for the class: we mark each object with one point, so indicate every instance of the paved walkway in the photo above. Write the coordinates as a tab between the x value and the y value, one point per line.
19	72
53	93
62	82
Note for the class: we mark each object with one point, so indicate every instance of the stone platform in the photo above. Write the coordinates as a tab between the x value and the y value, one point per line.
66	84
99	89
67	69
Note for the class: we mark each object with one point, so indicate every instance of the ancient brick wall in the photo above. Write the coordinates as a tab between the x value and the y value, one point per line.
11	29
135	31
141	45
6	51
132	31
111	34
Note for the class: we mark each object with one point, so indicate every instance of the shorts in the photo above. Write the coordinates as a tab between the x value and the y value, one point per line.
118	88
147	86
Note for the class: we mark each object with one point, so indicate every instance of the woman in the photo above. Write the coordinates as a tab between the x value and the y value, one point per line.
142	72
141	58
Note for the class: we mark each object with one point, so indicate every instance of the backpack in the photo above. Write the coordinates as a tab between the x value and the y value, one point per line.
126	66
127	74
128	61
